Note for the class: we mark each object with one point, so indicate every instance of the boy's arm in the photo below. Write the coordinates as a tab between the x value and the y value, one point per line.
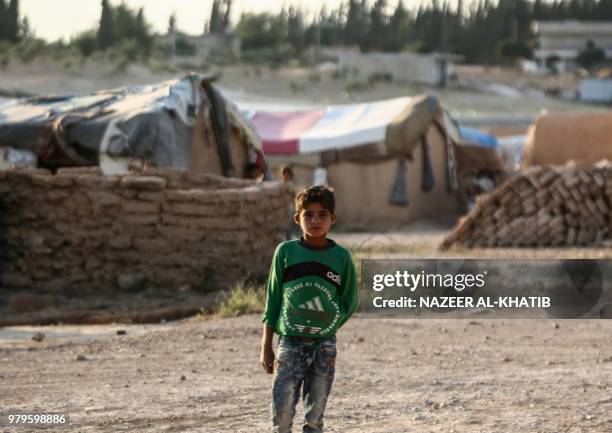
266	357
350	291
270	316
274	291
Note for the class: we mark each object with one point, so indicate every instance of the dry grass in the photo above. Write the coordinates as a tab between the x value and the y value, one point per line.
244	298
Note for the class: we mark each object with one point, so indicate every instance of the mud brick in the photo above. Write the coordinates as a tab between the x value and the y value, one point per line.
601	205
181	234
585	177
547	177
103	198
191	209
591	206
572	206
90	181
140	219
526	192
45	181
144	183
557	197
500	214
63	181
73	171
140	207
151	196
129	193
120	242
194	195
505	231
166	173
561	189
517	223
55	195
232	236
506	198
150	245
570	220
15	279
571	236
585	191
571	179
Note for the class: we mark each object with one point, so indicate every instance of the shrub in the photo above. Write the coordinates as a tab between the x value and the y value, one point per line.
244	299
357	86
380	77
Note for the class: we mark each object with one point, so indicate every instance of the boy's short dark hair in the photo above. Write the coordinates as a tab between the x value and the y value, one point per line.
316	194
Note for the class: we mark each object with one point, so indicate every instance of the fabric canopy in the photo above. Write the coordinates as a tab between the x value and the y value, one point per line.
334	127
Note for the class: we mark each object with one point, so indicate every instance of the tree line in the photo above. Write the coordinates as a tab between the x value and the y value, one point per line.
486	31
480	33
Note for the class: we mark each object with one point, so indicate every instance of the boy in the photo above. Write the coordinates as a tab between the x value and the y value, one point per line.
312	292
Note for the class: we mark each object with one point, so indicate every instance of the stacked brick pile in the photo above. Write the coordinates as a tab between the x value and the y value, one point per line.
542	206
80	229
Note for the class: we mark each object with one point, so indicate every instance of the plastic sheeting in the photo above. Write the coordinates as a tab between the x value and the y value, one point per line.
153	123
475	136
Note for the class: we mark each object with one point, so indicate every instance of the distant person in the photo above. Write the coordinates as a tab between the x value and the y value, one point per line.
288	175
312	291
253	171
289	179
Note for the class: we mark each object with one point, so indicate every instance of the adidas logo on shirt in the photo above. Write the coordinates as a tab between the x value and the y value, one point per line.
313	304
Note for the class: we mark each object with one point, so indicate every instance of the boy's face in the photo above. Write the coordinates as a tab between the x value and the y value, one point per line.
315	221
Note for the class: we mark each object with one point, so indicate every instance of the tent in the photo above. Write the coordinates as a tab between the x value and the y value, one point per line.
185	124
555	139
389	161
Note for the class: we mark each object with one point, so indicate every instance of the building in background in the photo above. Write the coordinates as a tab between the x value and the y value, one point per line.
430	69
564	40
194	49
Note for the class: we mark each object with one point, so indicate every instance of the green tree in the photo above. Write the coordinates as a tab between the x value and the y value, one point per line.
399	29
227	15
356	26
262	30
105	30
514	50
295	29
215	23
4	26
590	56
379	25
172	24
13	21
25	30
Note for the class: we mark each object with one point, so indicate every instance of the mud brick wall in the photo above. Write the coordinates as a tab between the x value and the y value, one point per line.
542	206
79	229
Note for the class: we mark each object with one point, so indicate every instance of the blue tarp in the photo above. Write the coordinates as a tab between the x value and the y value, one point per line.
478	137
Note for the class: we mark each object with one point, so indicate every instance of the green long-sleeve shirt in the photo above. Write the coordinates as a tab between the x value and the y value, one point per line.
311	292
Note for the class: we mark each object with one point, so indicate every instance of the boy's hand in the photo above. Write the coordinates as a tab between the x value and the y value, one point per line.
266	359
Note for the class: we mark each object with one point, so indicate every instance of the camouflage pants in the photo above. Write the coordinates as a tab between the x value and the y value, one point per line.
309	367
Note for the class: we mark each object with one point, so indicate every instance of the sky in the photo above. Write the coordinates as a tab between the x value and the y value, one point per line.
52	20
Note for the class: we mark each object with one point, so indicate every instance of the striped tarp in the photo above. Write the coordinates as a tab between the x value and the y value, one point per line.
332	127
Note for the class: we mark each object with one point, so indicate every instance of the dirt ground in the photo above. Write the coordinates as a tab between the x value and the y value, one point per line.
392	376
201	374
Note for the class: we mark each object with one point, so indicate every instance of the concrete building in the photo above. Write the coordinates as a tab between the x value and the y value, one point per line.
565	40
189	48
430	69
